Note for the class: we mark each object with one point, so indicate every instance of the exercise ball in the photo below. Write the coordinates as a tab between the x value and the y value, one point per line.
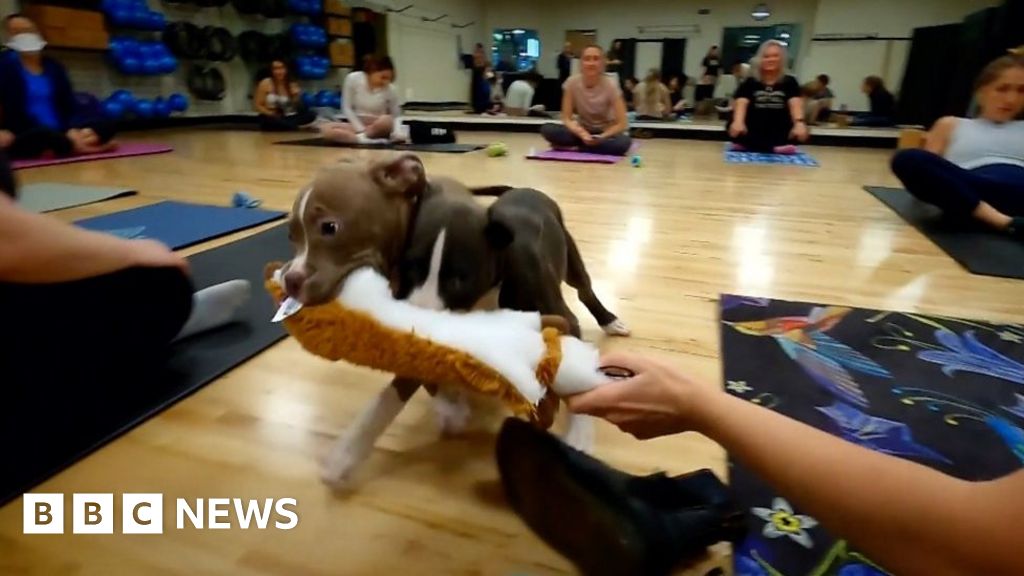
143	108
178	102
122	97
151	66
168	64
130	65
112	109
322	99
308	100
161	109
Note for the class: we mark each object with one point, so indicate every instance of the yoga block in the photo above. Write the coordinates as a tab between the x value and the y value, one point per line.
343	53
337	8
70	27
911	138
339	26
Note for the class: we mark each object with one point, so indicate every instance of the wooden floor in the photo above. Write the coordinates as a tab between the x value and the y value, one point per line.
661	241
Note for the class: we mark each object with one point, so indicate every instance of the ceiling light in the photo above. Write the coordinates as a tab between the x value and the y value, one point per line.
760	12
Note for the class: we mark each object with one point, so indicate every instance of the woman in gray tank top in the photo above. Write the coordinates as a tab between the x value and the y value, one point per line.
974	168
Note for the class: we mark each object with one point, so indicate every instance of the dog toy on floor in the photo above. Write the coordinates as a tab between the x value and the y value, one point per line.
515	356
497	149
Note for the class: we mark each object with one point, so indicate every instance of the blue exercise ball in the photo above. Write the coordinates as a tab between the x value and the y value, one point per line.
122	97
130	65
308	100
143	108
168	64
112	109
322	99
151	66
121	16
178	102
161	109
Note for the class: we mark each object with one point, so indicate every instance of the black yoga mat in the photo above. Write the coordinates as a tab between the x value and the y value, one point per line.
942	392
192	364
980	251
442	148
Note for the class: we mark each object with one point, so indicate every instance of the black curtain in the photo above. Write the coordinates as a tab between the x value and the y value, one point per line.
978	45
673	54
927	86
1008	29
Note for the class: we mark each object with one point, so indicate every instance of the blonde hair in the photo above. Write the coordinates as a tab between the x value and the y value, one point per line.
755	62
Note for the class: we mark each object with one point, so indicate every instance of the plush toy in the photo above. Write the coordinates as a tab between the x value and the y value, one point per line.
503	353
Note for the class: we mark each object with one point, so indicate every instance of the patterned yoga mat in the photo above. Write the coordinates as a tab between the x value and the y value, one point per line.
943	392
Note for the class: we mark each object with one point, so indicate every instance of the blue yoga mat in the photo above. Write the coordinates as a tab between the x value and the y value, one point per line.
178	224
798	159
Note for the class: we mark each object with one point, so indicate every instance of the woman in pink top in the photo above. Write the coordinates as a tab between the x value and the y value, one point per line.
593	111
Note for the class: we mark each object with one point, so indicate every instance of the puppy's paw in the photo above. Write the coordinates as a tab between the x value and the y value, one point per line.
339	469
580	433
616	328
453	412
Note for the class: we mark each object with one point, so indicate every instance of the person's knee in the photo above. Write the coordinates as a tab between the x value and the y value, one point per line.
549	131
621	145
907	161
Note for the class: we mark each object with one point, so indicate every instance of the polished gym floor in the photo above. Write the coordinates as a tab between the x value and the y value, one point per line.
661	241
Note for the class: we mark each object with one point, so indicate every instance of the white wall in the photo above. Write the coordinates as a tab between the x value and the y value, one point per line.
426	54
849	62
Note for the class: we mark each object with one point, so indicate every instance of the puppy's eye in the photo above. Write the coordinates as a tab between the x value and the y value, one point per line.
328	228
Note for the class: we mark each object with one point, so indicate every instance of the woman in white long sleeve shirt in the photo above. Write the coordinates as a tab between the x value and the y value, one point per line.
371	106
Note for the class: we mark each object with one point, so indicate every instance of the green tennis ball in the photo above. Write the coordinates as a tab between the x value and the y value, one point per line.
497	149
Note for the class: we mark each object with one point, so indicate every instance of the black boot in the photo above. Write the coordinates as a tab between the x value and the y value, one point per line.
608	522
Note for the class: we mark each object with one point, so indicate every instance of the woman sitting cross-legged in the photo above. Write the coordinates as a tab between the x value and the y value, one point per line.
651	98
975	167
769	112
278	101
593	111
371	106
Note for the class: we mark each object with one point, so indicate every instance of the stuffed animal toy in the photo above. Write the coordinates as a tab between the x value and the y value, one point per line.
515	356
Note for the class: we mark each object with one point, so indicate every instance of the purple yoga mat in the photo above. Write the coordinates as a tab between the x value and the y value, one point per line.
573	156
126	149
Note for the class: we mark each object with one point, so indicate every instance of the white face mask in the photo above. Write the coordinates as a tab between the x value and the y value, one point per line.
26	42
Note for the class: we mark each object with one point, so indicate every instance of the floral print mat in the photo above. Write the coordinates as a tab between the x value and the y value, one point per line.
944	392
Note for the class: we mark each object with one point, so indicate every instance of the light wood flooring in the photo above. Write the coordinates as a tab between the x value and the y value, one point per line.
661	242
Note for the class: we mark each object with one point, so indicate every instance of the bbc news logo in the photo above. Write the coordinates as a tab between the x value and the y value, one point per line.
144	513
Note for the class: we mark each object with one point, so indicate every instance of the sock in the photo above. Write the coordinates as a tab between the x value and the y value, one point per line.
1016	227
364	139
215	306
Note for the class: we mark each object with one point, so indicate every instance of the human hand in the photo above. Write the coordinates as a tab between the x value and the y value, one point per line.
153	254
658	401
6	138
799	132
737	129
588	138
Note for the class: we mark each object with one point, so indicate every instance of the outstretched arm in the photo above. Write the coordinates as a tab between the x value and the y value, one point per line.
908	518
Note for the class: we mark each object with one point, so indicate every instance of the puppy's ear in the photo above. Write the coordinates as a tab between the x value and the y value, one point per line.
403	175
498	234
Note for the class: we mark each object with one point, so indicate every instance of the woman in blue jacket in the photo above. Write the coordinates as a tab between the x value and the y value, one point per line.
37	104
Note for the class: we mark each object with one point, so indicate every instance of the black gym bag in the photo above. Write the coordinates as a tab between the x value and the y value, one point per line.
430	133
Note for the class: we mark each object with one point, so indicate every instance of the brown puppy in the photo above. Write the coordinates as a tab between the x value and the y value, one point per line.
356	214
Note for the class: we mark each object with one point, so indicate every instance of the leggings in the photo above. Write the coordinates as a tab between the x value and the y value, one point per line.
38	141
289	123
561	137
8	185
76	353
762	141
957	191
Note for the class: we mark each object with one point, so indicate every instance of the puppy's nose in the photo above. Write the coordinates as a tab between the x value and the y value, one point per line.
293	281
